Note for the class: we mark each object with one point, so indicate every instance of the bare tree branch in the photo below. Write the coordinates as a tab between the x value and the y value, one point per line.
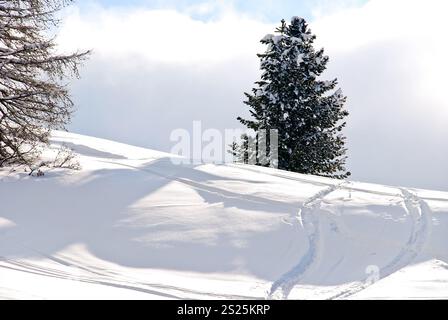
32	98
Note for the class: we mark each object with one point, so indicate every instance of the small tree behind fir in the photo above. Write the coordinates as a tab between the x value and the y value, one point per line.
306	111
33	98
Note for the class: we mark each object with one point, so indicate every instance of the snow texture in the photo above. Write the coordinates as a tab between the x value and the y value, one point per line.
133	225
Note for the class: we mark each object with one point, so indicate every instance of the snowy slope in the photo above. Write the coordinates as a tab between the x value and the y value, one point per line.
133	225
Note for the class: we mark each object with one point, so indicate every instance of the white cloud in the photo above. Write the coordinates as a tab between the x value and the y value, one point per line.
157	70
414	29
162	35
390	57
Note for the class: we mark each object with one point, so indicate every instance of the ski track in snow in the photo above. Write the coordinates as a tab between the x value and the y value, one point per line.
111	279
308	216
278	175
325	184
421	217
200	186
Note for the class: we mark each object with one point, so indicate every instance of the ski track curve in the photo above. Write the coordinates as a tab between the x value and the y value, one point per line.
313	182
308	216
421	217
113	280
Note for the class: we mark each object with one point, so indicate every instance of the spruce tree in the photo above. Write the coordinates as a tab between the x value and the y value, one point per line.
305	110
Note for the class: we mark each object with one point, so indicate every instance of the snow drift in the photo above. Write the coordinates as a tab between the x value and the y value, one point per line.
133	225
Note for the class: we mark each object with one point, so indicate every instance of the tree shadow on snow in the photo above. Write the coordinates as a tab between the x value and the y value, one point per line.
101	212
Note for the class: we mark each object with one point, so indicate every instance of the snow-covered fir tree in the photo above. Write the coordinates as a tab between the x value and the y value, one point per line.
307	112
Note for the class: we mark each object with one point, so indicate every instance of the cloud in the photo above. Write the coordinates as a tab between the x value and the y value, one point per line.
390	59
162	35
153	71
157	70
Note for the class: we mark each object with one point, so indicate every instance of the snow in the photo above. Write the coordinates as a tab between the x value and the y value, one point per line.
277	39
297	20
306	36
267	37
296	40
425	280
133	225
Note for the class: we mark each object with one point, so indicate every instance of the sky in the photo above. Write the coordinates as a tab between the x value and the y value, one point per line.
159	65
266	10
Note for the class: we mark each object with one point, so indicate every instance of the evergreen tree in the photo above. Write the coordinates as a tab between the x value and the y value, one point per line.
290	98
245	151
